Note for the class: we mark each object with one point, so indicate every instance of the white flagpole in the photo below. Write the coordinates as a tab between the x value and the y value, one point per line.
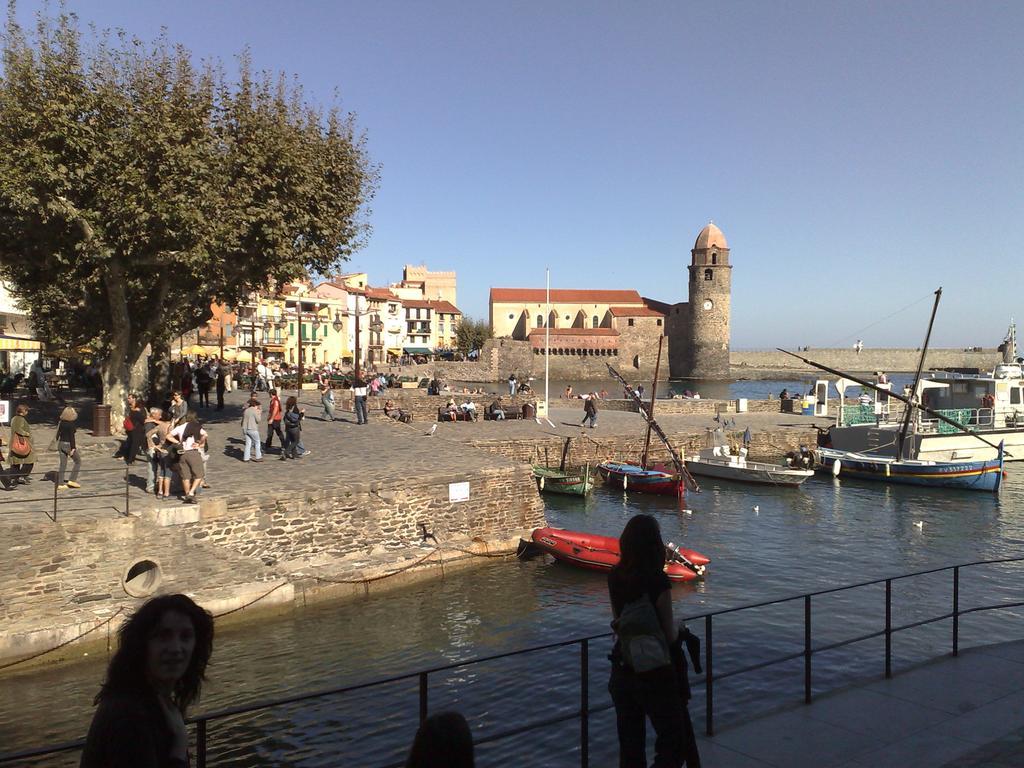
547	341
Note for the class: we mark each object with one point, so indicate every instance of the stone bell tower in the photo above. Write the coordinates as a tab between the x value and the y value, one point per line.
710	302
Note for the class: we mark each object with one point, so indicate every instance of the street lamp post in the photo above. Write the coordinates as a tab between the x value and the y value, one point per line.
375	326
314	324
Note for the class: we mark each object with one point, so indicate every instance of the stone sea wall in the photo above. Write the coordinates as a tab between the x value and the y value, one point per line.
60	579
870	359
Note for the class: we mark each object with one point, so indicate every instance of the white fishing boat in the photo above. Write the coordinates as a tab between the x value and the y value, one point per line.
716	459
989	405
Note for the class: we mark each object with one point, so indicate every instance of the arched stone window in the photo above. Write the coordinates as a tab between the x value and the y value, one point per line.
708	274
714	258
594	321
540	321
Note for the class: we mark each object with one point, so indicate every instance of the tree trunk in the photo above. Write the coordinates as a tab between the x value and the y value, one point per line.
116	368
160	372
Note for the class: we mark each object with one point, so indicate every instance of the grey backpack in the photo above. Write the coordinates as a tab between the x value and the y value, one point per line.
641	639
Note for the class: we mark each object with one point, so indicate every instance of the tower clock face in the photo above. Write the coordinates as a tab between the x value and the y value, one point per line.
708	304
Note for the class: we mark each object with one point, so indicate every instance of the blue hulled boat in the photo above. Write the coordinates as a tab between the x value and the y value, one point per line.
965	475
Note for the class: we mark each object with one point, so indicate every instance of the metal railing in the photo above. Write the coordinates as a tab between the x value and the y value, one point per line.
68	500
585	710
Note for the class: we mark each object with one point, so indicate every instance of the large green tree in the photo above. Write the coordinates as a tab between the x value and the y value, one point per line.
137	187
471	334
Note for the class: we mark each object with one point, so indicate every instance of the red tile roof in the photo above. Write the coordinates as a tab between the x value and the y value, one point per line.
380	293
576	332
634	312
563	296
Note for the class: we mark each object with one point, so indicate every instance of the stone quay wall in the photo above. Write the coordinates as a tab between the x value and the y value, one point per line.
423	407
869	359
60	579
766	445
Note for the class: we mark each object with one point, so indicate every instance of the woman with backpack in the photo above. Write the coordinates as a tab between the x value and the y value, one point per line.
292	428
643	682
19	447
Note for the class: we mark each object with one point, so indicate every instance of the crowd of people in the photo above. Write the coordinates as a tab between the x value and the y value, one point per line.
165	648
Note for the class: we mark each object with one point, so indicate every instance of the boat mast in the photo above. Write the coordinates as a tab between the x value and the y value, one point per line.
650	410
940	416
908	412
547	342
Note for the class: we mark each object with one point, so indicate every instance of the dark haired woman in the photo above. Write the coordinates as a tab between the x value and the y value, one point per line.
442	741
654	694
155	675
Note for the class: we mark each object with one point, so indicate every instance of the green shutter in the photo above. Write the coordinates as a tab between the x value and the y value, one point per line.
291	329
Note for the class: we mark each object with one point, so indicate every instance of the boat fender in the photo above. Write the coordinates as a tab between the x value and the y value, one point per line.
542	483
837	467
625	481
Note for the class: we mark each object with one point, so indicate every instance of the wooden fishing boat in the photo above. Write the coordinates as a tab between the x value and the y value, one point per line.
965	475
574	481
632	477
642	477
601	553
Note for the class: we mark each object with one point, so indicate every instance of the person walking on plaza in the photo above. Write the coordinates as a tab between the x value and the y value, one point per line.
590	410
327	400
222	372
251	431
512	384
155	675
359	400
191	437
641	600
203	382
135	436
68	449
292	428
22	454
274	415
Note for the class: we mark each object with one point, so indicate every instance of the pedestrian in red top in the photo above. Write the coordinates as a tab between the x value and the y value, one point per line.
274	421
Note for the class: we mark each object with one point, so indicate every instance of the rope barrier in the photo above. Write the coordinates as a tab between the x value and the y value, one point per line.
66	642
256	600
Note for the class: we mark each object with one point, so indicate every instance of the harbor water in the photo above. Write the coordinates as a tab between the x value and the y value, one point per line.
764	543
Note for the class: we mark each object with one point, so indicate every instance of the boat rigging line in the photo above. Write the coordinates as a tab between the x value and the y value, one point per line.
907	400
891	315
656	428
909	412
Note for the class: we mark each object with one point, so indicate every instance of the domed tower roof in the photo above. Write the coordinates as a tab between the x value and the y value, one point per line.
710	236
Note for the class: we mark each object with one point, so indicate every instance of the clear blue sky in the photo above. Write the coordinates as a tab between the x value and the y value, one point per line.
857	155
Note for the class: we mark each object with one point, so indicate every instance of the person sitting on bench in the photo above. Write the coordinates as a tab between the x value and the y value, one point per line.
497	412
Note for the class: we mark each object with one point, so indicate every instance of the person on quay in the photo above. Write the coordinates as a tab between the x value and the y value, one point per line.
251	431
512	383
497	411
68	449
191	437
652	694
159	476
590	410
293	416
274	415
203	382
359	400
222	383
20	447
327	400
155	675
179	408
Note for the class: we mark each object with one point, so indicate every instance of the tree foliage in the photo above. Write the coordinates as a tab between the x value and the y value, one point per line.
471	334
137	187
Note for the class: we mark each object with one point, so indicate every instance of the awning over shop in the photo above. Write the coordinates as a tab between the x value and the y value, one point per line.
394	351
10	343
417	351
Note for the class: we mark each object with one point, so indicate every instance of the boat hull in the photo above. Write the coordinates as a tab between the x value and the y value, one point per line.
634	478
881	440
572	482
761	474
965	475
601	553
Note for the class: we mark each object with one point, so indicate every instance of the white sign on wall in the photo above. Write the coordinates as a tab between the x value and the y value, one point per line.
5	411
458	492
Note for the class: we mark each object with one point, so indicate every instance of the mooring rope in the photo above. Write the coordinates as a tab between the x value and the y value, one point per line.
61	645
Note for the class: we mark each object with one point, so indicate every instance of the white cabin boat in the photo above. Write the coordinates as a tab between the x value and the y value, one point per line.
717	460
991	405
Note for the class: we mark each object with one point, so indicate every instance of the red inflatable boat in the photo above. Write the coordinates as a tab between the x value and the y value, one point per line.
600	553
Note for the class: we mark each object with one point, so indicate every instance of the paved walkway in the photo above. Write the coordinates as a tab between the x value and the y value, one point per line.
963	711
342	453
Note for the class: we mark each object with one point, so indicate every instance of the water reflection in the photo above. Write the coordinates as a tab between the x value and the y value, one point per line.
825	533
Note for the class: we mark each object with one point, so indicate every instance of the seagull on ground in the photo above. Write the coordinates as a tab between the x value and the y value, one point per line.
757	509
433	429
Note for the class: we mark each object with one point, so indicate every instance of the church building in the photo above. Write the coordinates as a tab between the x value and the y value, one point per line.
590	326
